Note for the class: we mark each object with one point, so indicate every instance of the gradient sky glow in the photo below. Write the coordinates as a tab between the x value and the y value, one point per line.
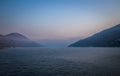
58	19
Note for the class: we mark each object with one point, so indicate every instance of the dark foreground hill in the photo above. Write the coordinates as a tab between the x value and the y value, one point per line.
16	40
107	38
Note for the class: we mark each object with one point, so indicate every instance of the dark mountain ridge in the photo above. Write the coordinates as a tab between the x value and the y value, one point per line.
1	35
16	35
107	38
16	40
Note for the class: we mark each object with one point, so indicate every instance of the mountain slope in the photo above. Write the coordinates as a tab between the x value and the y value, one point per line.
16	40
106	38
16	36
6	42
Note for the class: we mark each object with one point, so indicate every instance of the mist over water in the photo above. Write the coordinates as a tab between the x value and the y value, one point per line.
41	61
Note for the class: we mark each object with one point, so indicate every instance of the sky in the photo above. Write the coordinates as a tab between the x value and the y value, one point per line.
58	19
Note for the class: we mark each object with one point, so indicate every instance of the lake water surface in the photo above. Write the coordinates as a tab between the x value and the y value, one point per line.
60	62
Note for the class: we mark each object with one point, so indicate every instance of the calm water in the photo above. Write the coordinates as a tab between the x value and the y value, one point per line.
60	62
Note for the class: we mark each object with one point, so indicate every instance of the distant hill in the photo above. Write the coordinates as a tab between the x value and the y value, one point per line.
106	38
16	40
16	36
1	35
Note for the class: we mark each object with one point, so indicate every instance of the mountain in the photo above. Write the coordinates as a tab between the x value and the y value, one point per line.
107	38
6	42
16	40
16	36
1	35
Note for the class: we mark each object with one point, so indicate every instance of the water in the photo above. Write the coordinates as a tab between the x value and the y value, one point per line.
60	62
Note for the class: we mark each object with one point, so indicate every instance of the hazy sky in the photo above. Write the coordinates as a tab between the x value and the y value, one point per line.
58	19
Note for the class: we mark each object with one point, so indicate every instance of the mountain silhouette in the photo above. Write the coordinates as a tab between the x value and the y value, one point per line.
1	35
107	38
16	36
16	40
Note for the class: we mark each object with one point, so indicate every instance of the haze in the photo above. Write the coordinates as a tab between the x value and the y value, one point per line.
58	19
